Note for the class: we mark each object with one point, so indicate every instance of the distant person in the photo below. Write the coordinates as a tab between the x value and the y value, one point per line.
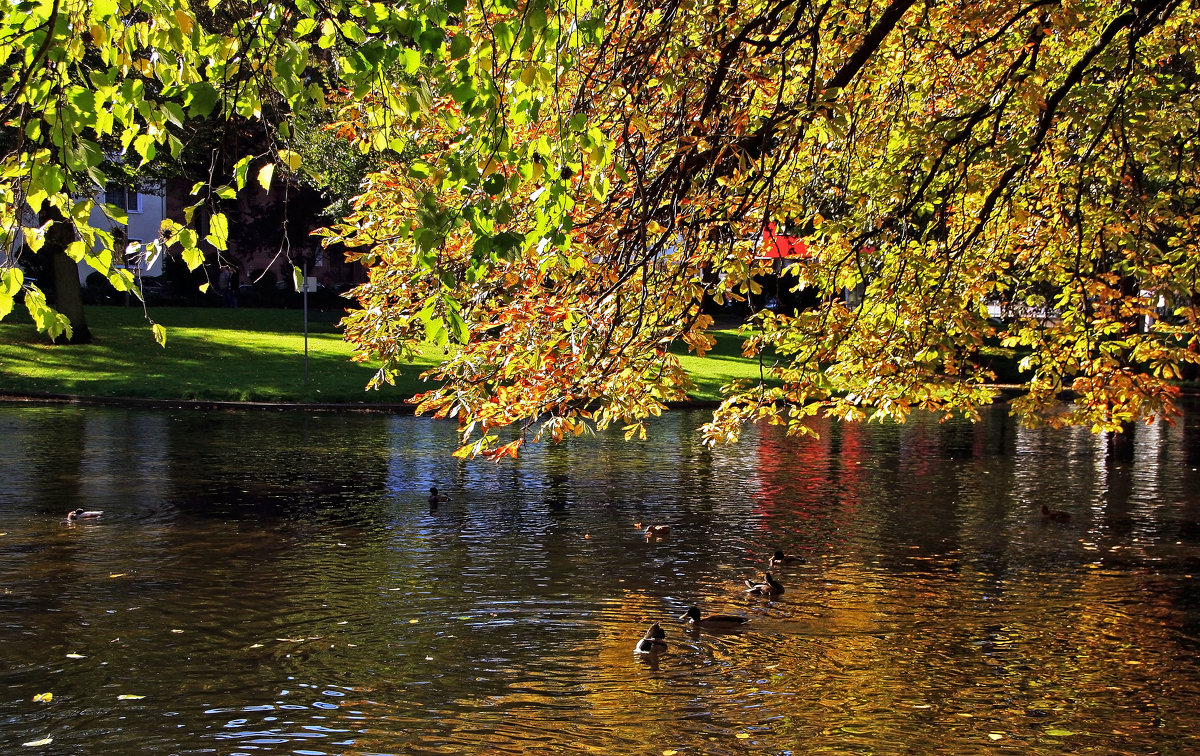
227	287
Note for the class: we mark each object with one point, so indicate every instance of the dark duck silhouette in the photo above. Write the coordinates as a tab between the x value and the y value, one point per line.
713	620
769	587
83	514
779	559
652	643
1055	515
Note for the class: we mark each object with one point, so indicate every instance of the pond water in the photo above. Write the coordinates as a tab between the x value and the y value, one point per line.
277	584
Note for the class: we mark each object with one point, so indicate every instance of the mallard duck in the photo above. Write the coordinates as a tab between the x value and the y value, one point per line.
658	531
652	643
769	587
779	559
436	498
83	514
1055	515
713	620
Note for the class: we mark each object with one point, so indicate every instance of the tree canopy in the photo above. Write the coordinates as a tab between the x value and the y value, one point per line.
583	180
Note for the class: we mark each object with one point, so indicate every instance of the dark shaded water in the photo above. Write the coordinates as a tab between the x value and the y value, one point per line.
276	584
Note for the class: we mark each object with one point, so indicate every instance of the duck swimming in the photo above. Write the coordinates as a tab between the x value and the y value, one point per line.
83	514
779	559
436	498
658	531
1055	515
769	587
713	620
652	643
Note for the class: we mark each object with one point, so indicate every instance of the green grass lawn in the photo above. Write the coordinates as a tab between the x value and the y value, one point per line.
241	355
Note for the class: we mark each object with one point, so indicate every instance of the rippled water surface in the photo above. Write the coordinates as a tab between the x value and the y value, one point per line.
277	584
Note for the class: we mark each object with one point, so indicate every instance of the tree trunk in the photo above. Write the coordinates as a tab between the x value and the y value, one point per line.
68	292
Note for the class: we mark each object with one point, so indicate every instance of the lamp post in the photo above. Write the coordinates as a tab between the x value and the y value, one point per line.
304	296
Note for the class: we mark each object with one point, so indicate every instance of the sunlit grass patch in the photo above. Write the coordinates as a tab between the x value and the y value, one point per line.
245	355
213	354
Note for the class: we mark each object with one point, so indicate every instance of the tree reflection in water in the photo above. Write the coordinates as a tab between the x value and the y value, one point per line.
277	584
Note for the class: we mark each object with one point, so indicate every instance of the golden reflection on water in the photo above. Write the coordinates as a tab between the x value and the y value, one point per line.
304	599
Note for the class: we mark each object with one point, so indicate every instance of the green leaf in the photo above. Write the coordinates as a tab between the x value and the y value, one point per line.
102	9
218	231
47	320
291	159
328	35
240	170
201	98
504	36
7	299
431	39
353	33
412	59
144	145
173	113
76	250
193	257
11	280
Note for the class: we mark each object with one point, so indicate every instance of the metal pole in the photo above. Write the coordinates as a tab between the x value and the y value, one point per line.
304	286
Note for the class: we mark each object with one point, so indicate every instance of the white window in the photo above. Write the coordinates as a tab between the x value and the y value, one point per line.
123	197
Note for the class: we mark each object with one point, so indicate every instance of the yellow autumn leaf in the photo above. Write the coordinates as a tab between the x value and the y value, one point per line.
44	741
43	697
76	656
291	159
129	697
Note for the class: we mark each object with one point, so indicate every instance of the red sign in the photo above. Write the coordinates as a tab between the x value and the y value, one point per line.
785	247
